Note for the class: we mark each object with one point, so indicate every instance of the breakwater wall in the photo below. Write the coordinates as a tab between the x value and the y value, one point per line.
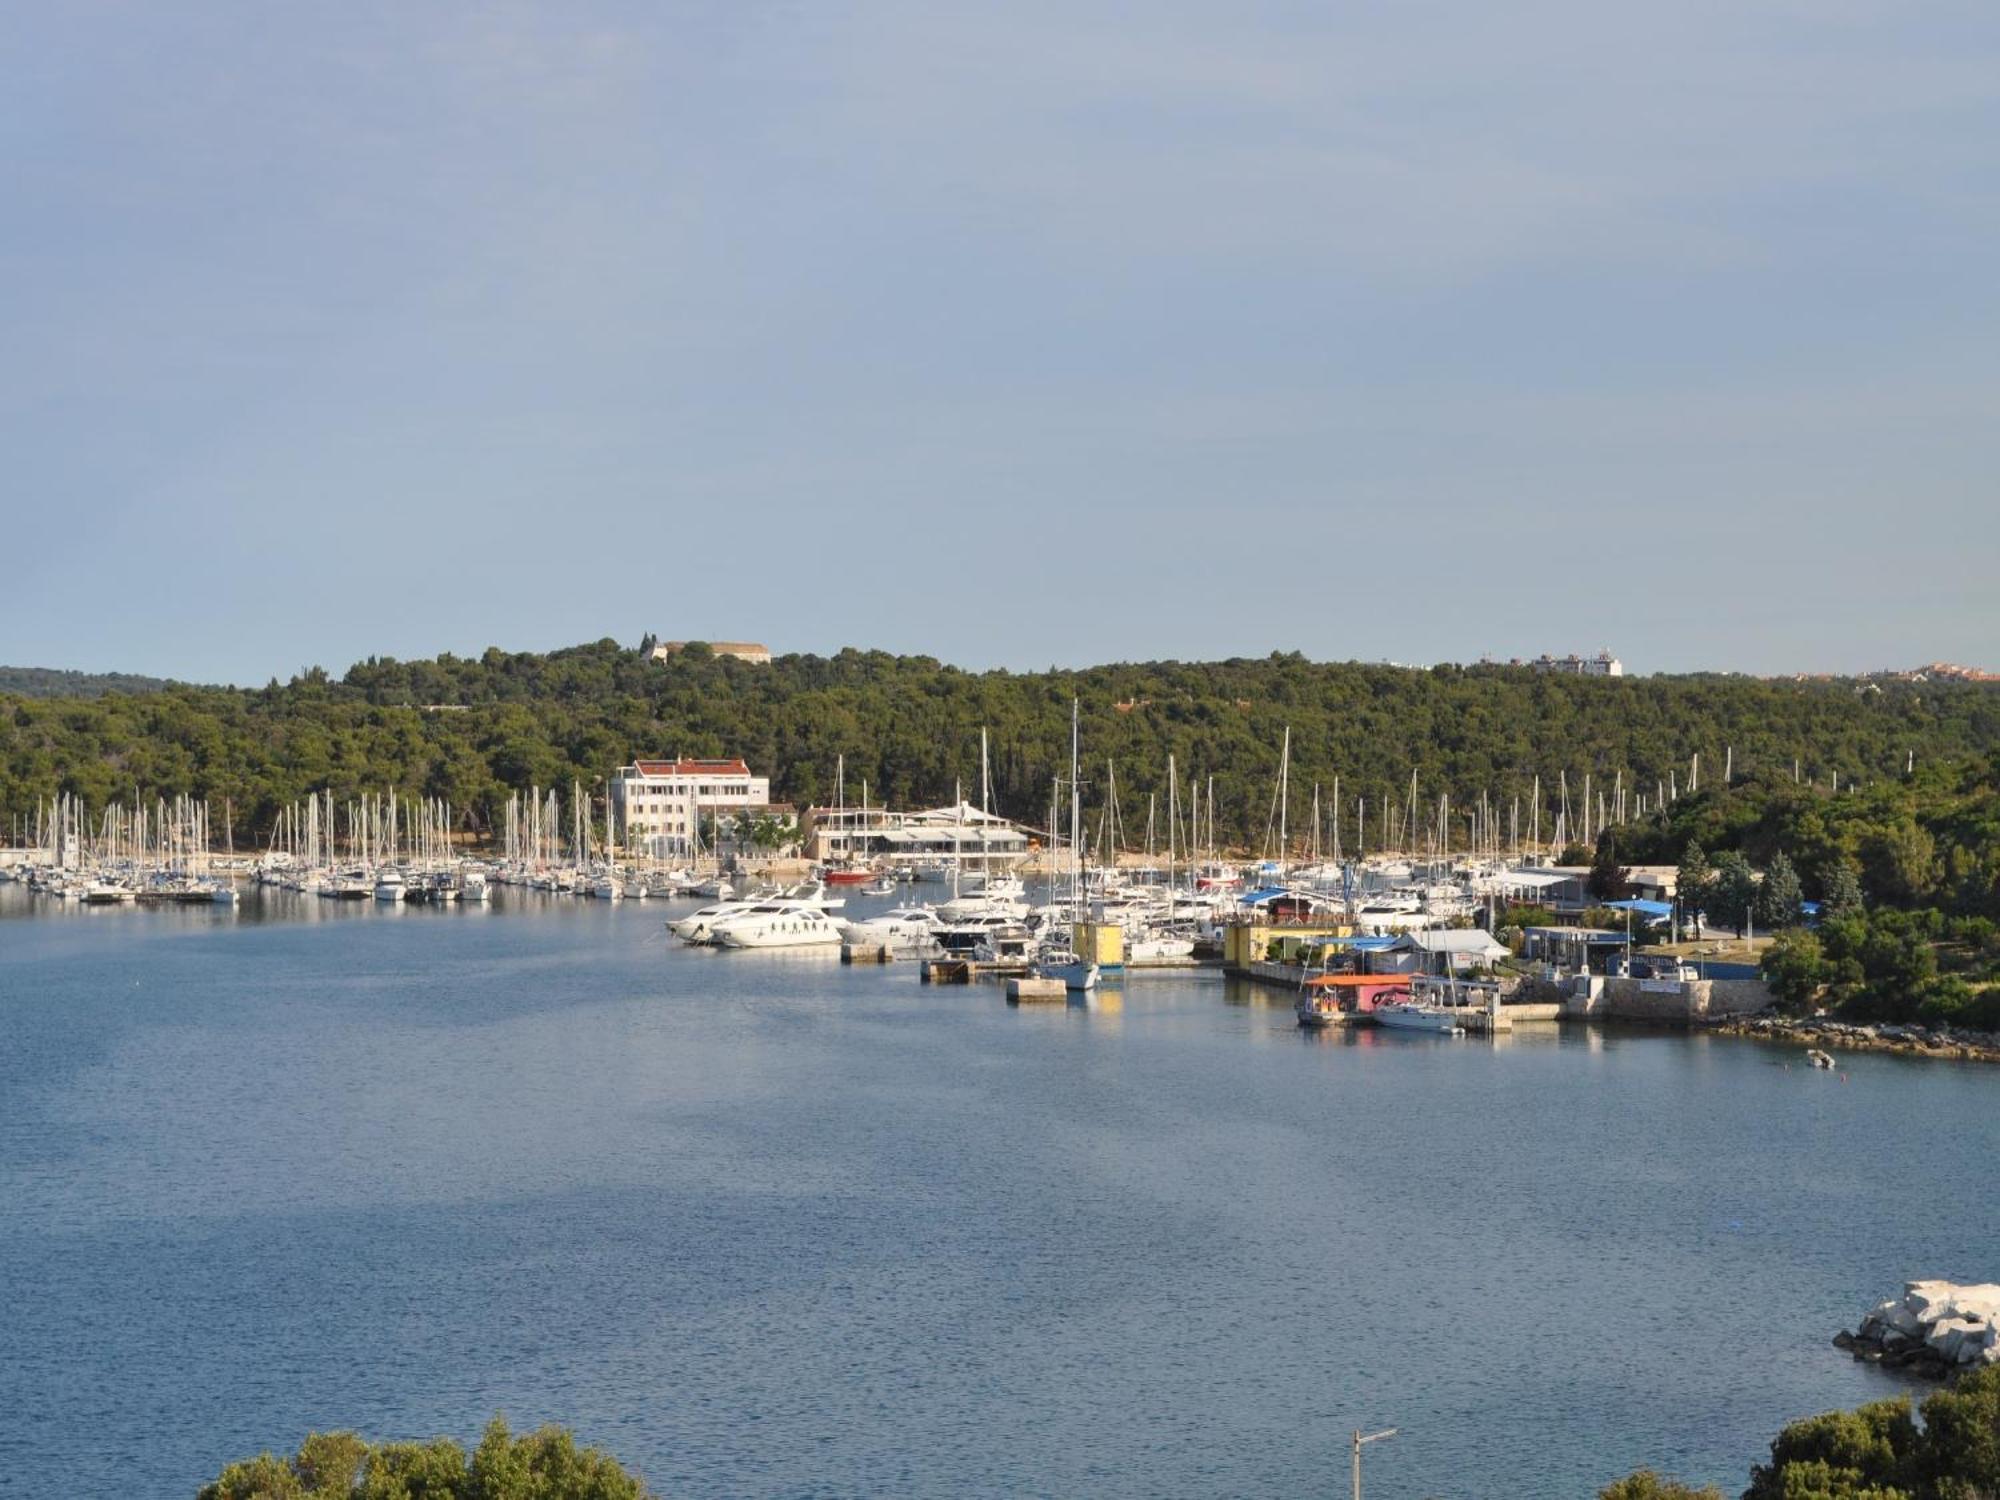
1666	1002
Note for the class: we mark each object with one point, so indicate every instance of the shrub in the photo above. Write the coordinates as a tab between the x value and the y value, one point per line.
1795	967
544	1465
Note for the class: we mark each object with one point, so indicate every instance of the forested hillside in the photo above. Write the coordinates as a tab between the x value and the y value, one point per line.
47	682
472	730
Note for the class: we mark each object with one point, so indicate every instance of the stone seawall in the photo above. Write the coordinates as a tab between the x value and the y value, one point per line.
1656	1002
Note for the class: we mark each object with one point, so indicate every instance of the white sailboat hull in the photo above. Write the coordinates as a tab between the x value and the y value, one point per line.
1434	1019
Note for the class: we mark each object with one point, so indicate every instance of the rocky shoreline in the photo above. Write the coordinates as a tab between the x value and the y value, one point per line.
1935	1329
1946	1042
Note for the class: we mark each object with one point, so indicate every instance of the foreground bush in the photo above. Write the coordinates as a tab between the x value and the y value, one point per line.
1878	1452
544	1465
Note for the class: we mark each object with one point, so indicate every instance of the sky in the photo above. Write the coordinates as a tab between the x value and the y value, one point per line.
1053	332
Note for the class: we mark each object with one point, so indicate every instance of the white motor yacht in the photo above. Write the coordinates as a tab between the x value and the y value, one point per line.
697	926
900	927
1157	946
961	937
776	924
965	908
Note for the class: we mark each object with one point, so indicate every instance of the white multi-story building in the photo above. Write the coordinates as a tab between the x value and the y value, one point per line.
1604	664
660	803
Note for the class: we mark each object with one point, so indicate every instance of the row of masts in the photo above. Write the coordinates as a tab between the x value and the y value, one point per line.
541	829
1484	828
371	831
174	836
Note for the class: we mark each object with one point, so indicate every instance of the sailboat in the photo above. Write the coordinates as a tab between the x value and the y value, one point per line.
1078	975
1415	1012
1415	1015
847	871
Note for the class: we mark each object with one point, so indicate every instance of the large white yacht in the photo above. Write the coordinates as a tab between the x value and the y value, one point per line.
697	926
967	908
900	927
776	924
959	938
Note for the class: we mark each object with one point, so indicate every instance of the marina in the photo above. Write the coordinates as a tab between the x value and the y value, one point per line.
1117	1195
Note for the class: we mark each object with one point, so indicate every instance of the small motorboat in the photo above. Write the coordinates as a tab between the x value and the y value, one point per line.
1819	1059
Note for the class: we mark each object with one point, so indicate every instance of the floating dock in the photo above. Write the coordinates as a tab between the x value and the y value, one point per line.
1029	987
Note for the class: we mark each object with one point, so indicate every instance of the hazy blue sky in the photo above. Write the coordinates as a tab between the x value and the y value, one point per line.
1015	334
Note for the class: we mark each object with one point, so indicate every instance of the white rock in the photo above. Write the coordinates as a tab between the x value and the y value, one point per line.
1907	1323
1948	1335
1923	1298
1982	1302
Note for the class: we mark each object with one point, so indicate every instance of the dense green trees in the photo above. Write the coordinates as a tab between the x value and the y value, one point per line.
1893	966
1878	1452
474	729
544	1465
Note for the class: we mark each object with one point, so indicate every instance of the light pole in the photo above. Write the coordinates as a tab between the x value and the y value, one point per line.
1359	1439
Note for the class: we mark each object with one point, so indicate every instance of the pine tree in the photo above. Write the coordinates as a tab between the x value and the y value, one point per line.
1733	890
1608	881
1779	897
1693	885
1843	890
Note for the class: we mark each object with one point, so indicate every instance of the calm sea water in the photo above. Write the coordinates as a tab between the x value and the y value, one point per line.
763	1225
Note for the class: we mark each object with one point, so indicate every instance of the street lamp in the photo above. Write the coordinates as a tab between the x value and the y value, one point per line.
1359	1439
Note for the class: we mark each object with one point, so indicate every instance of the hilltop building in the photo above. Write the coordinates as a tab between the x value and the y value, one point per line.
660	802
1604	664
1943	671
741	650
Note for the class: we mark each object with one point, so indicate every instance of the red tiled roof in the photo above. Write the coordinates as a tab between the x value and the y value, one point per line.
737	767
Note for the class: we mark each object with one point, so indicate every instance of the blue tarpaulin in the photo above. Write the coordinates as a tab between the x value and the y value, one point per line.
1660	909
1272	893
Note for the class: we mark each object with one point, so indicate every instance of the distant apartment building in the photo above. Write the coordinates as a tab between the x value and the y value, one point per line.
741	650
1604	664
660	803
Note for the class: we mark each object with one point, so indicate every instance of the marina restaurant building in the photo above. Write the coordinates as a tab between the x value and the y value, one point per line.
660	803
934	837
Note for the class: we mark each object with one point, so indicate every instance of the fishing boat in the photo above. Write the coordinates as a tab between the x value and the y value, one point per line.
1331	999
1011	947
